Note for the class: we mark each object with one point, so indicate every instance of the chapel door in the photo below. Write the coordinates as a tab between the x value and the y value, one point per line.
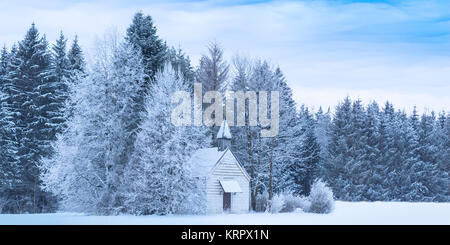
226	201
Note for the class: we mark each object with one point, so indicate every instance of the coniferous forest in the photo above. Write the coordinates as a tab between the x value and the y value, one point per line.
96	137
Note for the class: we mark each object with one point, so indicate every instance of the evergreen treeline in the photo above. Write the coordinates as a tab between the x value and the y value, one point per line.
365	153
34	83
383	154
98	138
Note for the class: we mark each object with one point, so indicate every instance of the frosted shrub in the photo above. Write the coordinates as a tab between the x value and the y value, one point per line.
321	198
292	202
277	203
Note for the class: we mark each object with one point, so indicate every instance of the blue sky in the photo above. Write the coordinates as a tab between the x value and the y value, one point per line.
396	50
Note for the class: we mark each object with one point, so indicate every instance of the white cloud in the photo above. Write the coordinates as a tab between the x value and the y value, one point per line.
405	101
326	50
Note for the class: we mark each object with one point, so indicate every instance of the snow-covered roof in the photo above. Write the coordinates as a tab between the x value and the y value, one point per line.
203	160
224	131
230	186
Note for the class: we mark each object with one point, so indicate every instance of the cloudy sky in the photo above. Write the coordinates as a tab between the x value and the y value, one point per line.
373	50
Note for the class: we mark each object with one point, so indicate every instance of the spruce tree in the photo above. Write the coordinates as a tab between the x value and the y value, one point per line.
4	59
310	156
181	63
61	73
372	176
339	149
141	34
76	58
322	129
32	99
284	151
9	167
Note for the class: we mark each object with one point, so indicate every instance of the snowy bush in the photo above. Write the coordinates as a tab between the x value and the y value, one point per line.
281	203
277	203
321	198
293	202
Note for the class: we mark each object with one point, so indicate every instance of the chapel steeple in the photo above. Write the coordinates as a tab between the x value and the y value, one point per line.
224	136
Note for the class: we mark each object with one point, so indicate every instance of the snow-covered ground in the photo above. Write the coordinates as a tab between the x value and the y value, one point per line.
345	213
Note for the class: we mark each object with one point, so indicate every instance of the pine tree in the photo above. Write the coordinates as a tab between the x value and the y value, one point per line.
284	146
339	149
372	177
32	97
181	63
322	129
442	143
356	166
61	72
8	163
428	180
76	58
310	156
10	169
141	34
76	71
4	59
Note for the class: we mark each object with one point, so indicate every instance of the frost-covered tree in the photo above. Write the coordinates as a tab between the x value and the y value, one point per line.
266	159
262	78
243	137
76	171
284	146
212	72
87	168
157	178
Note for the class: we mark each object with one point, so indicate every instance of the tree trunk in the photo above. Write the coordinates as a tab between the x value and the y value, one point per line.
271	170
252	169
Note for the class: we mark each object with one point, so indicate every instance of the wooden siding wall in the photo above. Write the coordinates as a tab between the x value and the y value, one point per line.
227	169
